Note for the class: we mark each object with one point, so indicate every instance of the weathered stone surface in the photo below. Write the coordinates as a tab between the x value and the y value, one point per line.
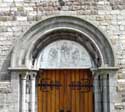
119	106
5	87
65	54
117	4
18	15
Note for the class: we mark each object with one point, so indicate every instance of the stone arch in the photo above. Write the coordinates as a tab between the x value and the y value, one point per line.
29	46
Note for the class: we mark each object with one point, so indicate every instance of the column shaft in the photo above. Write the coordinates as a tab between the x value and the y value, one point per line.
23	98
33	94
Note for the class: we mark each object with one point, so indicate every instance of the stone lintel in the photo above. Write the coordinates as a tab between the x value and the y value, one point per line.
22	69
105	70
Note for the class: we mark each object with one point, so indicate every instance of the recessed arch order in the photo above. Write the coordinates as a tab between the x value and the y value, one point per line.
32	42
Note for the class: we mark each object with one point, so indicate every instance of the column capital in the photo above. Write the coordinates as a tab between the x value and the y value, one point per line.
23	75
33	75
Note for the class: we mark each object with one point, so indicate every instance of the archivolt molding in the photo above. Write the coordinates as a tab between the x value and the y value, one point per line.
32	42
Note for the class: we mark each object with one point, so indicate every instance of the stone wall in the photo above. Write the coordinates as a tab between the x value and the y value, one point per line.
18	15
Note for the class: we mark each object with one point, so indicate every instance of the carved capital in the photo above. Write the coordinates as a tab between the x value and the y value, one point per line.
33	75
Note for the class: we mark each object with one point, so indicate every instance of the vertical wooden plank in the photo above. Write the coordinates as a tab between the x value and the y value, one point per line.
46	93
70	98
73	93
91	93
82	94
68	90
62	80
53	91
57	91
49	92
65	90
43	93
87	94
77	91
48	89
61	90
58	78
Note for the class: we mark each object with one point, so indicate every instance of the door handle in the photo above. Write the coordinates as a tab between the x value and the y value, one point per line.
61	110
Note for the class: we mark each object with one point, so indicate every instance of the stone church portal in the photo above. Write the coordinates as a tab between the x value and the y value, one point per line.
64	56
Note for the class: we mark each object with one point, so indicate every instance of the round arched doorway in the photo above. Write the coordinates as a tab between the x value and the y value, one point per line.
65	82
72	44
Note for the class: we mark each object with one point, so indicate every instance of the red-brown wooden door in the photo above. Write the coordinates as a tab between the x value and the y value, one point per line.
65	91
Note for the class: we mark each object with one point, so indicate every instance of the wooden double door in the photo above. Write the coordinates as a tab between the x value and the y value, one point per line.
65	91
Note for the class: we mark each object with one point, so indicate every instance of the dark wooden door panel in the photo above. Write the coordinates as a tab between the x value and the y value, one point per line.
65	91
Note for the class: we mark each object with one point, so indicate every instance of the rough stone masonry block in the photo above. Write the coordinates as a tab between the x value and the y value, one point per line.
2	99
120	107
117	4
121	85
13	0
5	87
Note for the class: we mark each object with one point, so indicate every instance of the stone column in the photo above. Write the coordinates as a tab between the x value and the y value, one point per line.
15	91
105	94
97	96
33	92
112	90
95	83
19	87
23	92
